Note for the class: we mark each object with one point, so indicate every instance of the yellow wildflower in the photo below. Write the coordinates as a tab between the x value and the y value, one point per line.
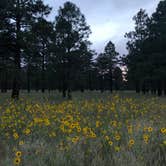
107	137
150	129
21	142
163	130
110	143
131	142
17	161
117	137
117	148
16	136
18	154
27	131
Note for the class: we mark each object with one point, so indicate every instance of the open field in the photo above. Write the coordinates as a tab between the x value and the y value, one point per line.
94	129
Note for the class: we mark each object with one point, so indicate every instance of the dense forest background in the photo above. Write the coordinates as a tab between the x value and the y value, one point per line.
36	54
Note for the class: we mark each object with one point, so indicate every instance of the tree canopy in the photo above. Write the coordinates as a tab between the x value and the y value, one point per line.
37	54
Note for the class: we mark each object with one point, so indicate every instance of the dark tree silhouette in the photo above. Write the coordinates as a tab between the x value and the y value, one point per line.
105	63
20	15
118	78
71	33
135	60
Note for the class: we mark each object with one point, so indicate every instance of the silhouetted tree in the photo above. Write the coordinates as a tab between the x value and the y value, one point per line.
118	78
20	15
157	44
105	63
135	60
71	32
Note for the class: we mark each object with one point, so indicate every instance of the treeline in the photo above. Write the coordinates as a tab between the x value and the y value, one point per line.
42	55
146	60
36	54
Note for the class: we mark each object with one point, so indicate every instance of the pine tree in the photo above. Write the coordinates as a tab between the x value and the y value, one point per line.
71	32
20	15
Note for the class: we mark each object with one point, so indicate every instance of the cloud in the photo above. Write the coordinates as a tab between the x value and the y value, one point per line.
109	19
104	31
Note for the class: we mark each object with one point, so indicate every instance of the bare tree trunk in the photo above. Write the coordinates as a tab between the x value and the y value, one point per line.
43	71
64	93
137	86
69	91
90	81
111	81
143	88
101	84
64	88
37	85
28	81
17	59
116	85
153	87
28	77
16	81
4	81
165	87
159	90
69	96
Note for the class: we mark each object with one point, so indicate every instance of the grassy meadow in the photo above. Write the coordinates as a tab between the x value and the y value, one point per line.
93	129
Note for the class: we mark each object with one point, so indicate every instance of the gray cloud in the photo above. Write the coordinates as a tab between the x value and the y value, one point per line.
109	19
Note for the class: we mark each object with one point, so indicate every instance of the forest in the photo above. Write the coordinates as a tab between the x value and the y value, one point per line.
37	54
63	103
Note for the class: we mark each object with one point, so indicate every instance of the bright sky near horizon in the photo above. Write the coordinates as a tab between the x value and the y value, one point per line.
108	19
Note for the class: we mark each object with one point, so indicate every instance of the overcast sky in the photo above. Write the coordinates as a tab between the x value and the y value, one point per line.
108	19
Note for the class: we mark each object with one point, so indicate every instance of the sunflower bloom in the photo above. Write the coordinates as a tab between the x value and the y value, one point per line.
131	142
163	130
110	143
17	161
150	129
18	154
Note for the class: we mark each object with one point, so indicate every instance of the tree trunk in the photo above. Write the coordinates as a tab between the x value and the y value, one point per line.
28	79
159	90
36	85
116	85
69	96
143	88
63	85
82	89
3	88
64	93
4	82
101	84
64	88
111	81
69	91
153	87
137	87
17	60
16	81
147	87
28	86
165	87
43	71
90	81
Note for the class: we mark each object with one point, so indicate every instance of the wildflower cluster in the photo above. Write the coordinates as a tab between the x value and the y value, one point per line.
116	122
